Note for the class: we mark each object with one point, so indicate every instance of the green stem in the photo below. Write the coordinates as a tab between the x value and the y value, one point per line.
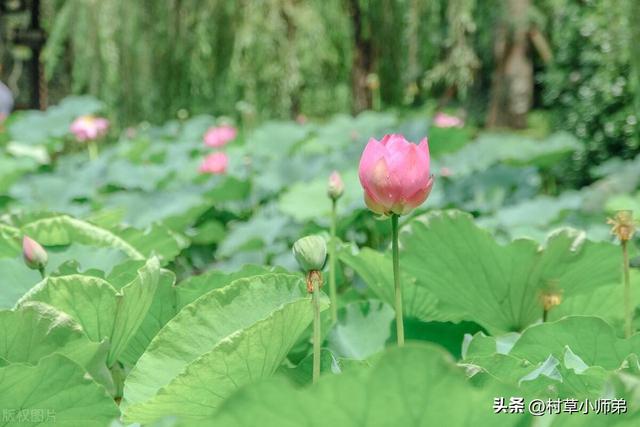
42	273
316	331
118	376
93	150
396	279
628	315
332	264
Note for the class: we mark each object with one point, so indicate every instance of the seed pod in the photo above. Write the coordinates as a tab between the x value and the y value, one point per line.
311	253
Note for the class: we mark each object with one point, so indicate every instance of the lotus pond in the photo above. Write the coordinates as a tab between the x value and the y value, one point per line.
166	292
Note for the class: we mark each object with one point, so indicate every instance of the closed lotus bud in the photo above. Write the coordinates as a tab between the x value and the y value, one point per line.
395	175
336	186
35	257
311	253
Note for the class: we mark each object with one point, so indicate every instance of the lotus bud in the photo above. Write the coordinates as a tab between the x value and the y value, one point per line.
35	257
311	253
336	186
395	175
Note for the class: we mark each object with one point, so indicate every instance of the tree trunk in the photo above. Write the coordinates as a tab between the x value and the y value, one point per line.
362	64
512	85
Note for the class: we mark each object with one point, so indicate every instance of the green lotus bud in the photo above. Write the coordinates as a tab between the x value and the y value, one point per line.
311	253
35	257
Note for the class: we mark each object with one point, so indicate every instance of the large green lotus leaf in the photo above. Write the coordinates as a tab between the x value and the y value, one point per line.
128	175
194	287
163	308
376	270
84	257
306	201
605	302
36	330
134	301
302	373
537	212
363	329
96	254
15	280
157	240
344	131
499	286
174	208
224	339
492	148
101	310
572	357
488	191
36	127
590	338
447	140
261	230
549	379
10	239
54	392
417	385
52	192
287	134
623	202
63	230
11	169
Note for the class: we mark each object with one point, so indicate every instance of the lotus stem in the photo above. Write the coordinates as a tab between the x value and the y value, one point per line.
315	296
93	150
332	264
628	313
396	279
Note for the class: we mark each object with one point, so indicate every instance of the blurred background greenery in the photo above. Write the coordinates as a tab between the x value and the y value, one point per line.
543	64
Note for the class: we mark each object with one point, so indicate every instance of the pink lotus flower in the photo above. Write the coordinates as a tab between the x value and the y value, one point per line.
219	136
395	174
215	164
88	128
443	120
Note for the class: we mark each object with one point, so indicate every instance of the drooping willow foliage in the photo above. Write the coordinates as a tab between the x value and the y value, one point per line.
148	59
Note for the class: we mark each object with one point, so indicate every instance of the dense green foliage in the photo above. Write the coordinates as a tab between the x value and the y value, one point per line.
267	59
590	83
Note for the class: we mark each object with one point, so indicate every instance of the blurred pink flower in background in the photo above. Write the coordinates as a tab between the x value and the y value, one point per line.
220	135
443	120
445	171
88	128
395	174
215	164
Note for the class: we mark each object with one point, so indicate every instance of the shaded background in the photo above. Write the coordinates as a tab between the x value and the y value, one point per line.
550	64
